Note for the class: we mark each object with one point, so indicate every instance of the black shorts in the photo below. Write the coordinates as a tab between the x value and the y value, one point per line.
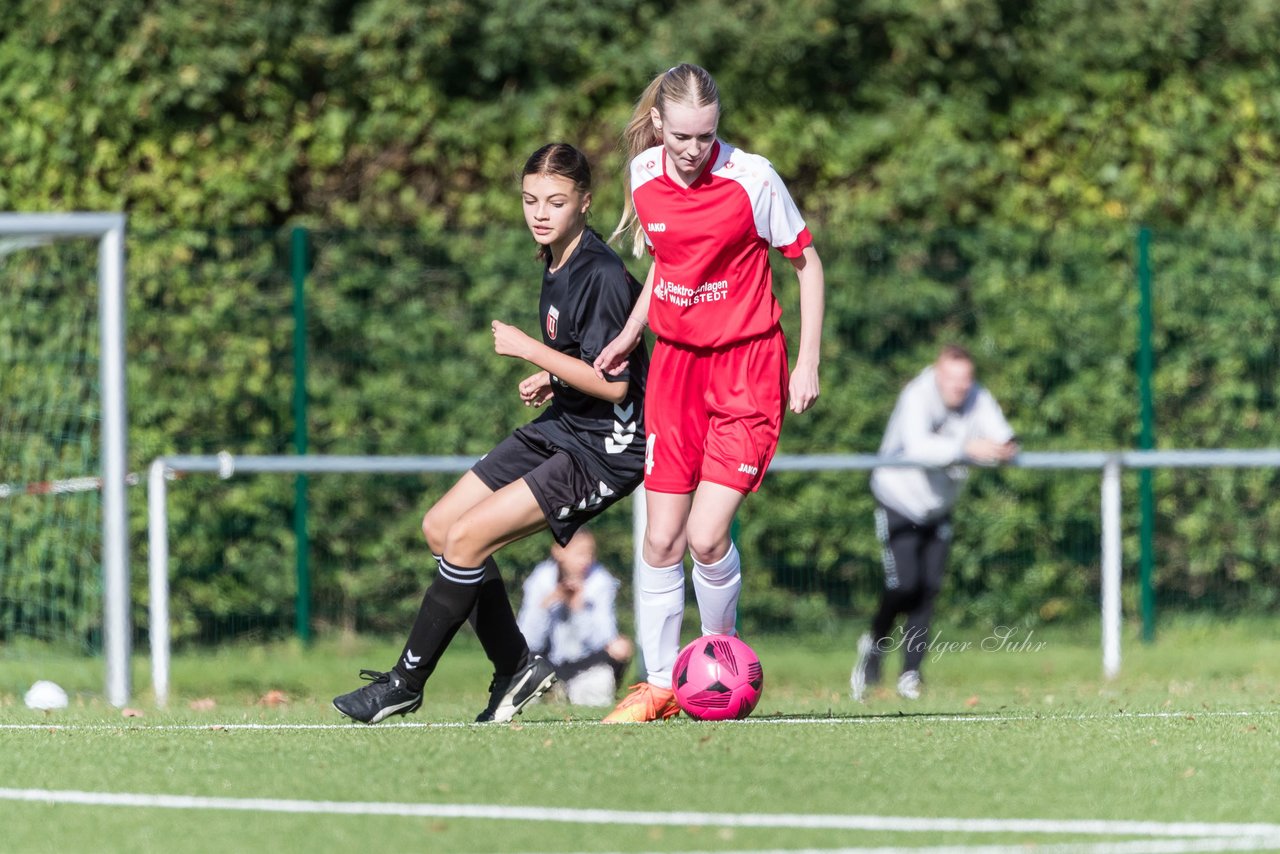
561	483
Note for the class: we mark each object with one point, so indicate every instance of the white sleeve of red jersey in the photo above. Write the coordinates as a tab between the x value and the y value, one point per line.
778	220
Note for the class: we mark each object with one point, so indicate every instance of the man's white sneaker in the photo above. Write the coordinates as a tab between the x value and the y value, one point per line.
909	685
866	668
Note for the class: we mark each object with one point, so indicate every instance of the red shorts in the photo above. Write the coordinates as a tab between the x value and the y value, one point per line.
714	414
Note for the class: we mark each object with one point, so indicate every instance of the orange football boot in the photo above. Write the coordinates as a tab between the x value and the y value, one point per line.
645	703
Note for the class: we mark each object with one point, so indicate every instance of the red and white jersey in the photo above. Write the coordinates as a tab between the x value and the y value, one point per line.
710	242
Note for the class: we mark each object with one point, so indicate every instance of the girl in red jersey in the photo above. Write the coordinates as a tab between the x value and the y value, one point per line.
718	384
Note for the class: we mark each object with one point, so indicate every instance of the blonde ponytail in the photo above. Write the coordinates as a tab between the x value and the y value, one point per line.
638	135
683	84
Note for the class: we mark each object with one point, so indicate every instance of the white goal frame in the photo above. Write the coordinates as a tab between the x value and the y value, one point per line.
108	229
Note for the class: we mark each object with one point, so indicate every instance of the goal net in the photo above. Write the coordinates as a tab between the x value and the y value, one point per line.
63	564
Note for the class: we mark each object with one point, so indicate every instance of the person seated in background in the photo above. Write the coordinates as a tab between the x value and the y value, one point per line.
568	616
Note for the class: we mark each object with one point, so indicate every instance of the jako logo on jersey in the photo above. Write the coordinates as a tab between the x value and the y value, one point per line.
746	469
553	318
656	226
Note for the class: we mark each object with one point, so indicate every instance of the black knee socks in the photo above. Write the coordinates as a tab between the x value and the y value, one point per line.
448	601
456	594
495	624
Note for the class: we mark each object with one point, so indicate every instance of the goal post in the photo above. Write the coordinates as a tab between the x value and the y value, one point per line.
18	231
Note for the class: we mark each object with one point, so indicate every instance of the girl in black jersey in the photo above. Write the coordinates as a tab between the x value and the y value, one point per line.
581	455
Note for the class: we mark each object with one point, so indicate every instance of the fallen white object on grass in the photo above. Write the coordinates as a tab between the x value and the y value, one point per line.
46	696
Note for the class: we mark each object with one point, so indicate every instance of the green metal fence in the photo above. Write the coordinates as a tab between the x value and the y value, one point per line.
377	343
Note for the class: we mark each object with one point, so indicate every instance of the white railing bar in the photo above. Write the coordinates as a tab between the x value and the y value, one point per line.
1111	463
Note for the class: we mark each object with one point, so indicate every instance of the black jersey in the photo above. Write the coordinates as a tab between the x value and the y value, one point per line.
583	307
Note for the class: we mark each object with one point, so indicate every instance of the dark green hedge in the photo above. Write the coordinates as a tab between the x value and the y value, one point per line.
379	113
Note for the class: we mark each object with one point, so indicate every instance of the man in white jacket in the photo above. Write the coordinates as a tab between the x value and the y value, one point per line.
943	419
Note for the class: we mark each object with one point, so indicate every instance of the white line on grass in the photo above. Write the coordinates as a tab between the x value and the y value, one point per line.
1143	846
655	818
139	724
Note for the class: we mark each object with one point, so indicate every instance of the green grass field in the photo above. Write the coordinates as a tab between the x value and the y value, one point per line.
1021	748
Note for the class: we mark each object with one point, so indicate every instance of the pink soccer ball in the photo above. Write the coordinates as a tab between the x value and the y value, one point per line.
718	678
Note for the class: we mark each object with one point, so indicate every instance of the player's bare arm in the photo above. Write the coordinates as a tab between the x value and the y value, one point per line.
803	389
511	341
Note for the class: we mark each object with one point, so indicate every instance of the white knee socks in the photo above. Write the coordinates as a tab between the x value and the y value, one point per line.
717	586
659	611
